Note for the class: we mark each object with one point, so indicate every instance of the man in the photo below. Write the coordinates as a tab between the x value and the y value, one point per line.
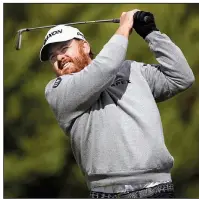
107	106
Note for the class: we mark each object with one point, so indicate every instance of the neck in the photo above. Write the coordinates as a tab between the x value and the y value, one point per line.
89	60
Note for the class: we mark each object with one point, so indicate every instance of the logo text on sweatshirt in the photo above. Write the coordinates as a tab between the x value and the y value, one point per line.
57	82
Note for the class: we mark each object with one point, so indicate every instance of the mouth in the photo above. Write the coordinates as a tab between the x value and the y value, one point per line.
66	65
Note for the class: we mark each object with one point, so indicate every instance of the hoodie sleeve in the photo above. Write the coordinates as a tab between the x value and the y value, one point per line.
71	95
173	74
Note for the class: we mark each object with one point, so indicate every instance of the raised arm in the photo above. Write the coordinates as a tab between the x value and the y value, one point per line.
77	92
173	74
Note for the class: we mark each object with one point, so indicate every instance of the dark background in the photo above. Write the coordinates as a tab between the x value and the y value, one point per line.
38	161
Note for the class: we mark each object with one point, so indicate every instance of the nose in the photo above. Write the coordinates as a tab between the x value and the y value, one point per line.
60	57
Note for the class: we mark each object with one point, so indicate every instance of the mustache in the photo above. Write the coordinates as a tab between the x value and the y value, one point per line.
63	62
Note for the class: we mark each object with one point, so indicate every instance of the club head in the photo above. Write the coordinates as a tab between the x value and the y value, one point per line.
19	38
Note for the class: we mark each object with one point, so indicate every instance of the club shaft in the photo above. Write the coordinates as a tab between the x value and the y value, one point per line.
74	23
19	38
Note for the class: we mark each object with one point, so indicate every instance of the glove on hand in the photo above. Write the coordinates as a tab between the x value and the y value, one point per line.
142	27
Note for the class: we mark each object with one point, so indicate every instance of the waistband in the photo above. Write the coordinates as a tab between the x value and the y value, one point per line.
119	183
161	188
125	188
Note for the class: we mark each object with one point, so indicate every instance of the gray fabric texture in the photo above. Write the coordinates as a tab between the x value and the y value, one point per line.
109	111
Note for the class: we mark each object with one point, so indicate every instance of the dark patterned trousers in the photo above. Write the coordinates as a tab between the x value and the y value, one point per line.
165	190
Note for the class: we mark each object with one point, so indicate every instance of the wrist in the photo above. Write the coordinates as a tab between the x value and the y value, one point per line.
149	31
144	30
124	31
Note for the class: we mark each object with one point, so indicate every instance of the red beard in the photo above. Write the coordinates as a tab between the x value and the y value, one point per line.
79	63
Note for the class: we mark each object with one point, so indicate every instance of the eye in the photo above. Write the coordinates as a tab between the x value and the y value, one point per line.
64	49
52	57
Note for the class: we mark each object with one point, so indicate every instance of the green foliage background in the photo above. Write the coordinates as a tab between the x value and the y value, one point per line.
38	161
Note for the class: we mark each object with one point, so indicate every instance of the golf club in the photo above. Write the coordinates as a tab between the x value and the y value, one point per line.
19	35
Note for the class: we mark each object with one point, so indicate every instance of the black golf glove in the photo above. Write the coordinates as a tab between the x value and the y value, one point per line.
142	26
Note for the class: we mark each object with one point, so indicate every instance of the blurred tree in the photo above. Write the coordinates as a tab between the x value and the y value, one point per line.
38	161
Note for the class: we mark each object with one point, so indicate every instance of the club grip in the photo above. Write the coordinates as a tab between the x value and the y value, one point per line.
116	20
19	38
147	19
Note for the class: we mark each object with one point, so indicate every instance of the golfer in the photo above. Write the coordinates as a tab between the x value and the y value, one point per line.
107	106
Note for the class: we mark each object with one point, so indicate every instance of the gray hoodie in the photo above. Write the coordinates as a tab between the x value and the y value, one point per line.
109	111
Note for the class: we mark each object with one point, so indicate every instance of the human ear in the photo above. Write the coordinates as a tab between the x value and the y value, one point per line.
86	48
